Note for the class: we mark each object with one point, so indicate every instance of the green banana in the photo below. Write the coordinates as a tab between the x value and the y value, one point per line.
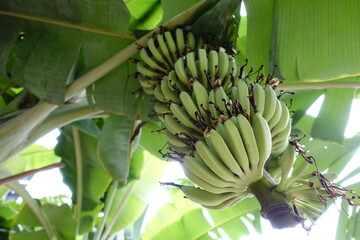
202	99
168	93
221	99
203	172
220	147
214	163
181	72
270	102
223	67
243	96
156	53
159	94
174	126
248	137
276	116
180	41
171	45
234	142
203	197
286	161
149	61
263	138
164	49
189	104
161	108
146	71
213	66
203	66
190	40
211	101
259	97
283	122
172	139
191	64
183	116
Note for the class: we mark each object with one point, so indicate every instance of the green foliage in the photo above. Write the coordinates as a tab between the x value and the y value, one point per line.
47	47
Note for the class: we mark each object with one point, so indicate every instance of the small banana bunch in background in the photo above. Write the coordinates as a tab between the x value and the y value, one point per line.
222	128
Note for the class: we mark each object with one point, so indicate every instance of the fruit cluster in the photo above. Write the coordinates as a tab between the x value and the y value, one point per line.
221	126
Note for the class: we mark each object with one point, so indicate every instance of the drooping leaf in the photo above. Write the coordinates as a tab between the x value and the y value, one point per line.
145	14
60	216
87	170
310	45
115	147
334	114
184	219
131	200
328	155
259	37
170	11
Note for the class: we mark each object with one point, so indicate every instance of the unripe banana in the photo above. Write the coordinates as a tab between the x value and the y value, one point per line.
161	108
156	53
183	116
231	75
203	66
214	163
283	135
263	138
204	173
259	97
175	83
159	94
189	104
147	72
180	41
213	66
168	93
164	49
191	64
181	72
190	41
276	116
148	83
270	102
149	61
283	122
149	91
219	146
226	204
298	170
223	68
202	99
286	162
172	139
174	126
203	197
221	99
243	96
248	137
171	45
235	144
211	101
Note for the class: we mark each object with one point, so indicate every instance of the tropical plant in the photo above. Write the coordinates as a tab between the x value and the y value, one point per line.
70	65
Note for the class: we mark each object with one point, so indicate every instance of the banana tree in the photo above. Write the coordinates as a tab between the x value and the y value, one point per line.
71	65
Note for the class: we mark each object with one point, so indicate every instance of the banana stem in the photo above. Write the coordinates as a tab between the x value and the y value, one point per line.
274	206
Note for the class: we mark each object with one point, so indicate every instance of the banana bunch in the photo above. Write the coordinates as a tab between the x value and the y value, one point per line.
250	96
160	55
227	161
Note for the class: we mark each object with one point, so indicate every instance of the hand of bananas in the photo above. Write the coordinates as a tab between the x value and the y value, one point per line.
222	128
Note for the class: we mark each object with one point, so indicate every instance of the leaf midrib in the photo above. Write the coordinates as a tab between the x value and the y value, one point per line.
66	24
